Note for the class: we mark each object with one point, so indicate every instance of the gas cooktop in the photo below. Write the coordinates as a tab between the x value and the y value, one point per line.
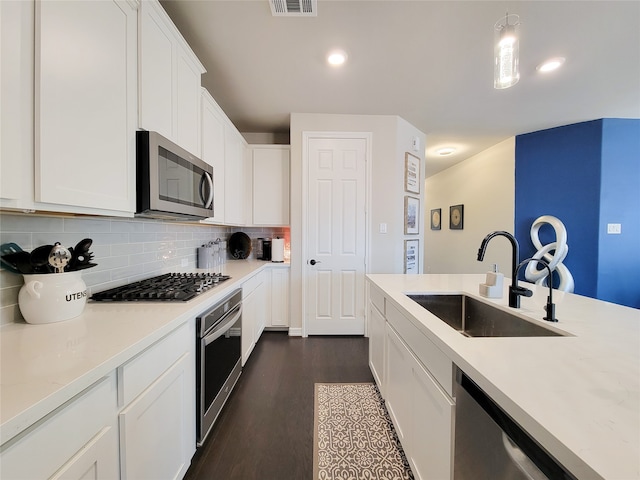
170	287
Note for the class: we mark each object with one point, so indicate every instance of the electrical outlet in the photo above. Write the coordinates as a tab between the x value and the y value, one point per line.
614	228
185	262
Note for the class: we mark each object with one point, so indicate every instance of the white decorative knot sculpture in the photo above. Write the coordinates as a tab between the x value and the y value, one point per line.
559	249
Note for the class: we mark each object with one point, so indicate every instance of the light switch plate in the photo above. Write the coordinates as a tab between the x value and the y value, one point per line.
185	262
383	228
614	228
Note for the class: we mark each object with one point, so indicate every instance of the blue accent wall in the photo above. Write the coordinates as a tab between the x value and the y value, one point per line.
619	255
587	175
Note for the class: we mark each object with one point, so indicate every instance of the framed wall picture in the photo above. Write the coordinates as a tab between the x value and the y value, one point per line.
411	256
456	217
436	219
411	173
411	215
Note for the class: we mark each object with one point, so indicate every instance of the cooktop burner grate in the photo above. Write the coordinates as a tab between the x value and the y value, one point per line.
170	287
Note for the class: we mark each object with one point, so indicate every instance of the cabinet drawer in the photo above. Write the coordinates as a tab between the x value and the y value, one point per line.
377	298
250	285
431	356
139	372
61	436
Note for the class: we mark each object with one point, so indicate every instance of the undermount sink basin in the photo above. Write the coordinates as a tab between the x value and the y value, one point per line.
474	318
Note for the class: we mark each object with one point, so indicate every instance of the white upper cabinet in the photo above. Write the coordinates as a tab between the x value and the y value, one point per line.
234	176
270	193
213	121
169	80
85	92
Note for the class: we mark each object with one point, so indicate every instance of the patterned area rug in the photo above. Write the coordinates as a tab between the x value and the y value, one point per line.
354	436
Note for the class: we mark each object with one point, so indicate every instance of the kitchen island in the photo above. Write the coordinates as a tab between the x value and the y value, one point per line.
578	395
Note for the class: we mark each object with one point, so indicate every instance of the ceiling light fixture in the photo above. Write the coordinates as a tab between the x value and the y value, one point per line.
337	58
506	62
443	152
551	64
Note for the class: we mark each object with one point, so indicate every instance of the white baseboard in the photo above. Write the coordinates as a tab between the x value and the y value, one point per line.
295	332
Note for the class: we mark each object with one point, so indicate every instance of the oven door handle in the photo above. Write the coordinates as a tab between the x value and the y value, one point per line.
220	330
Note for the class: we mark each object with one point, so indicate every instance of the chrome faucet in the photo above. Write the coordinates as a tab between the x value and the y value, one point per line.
514	291
550	308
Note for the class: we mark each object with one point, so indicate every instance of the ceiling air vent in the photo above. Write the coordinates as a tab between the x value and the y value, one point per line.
294	8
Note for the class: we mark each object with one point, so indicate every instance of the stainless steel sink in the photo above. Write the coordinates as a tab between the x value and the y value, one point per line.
474	318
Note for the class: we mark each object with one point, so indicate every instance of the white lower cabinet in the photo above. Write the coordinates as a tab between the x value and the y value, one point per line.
376	333
399	384
157	423
79	440
253	313
278	314
153	428
421	411
431	439
138	422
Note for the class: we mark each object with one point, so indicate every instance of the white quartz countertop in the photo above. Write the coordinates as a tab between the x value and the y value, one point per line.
577	395
43	366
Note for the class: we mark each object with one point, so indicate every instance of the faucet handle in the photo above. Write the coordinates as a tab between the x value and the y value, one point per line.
521	291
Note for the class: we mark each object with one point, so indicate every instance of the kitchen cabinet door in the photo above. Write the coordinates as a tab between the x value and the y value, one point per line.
169	79
156	435
430	447
86	104
213	121
94	461
376	346
87	424
270	185
188	98
279	314
398	384
234	177
16	104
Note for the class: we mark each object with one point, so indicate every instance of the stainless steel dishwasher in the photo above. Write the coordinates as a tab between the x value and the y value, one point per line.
489	445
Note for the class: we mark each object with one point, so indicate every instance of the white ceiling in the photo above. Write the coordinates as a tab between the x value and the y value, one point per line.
430	62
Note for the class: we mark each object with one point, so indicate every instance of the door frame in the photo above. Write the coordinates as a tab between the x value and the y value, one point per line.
306	137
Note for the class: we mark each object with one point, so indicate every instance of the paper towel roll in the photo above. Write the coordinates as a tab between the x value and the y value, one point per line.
277	250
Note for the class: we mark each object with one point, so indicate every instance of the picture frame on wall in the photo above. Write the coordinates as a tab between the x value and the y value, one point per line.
456	217
411	215
436	219
411	173
411	256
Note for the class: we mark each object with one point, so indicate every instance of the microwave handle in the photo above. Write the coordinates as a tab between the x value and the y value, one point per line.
206	177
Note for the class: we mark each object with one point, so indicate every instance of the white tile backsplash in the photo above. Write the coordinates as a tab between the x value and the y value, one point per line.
125	250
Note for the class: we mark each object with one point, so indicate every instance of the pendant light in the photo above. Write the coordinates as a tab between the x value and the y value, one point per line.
506	62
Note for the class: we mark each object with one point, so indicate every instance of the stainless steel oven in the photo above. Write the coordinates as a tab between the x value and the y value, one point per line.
218	359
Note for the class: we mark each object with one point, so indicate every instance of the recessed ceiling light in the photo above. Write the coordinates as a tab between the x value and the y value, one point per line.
551	64
337	57
445	151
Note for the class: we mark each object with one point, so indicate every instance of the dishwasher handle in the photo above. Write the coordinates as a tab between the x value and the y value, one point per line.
524	464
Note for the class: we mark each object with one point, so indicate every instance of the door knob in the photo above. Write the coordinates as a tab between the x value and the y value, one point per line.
313	262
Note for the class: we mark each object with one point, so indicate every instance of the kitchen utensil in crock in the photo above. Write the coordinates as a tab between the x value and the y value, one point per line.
13	258
59	257
81	254
39	258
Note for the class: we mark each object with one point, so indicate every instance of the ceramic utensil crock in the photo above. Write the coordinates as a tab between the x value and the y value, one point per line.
53	297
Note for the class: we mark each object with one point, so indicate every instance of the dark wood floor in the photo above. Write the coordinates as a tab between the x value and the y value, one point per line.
265	430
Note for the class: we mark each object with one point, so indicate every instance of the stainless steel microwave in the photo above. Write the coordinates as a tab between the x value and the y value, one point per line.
171	182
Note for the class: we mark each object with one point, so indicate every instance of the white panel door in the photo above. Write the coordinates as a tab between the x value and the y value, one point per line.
336	236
